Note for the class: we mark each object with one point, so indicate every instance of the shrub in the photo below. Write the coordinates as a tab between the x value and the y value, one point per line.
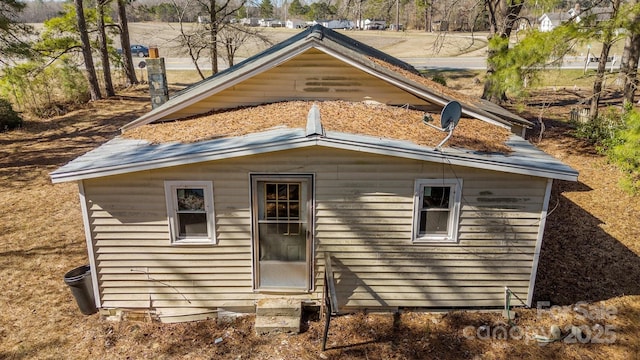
9	119
602	132
626	153
44	91
439	79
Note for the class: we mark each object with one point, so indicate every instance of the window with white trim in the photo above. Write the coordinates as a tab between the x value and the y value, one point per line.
436	210
190	212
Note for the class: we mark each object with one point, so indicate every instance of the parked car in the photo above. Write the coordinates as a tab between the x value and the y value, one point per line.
137	50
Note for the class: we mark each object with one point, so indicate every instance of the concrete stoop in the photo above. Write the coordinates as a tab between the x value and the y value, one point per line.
278	316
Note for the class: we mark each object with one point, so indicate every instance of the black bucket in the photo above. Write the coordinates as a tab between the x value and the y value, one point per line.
79	281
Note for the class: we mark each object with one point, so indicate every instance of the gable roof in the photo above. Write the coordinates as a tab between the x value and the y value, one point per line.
137	150
352	53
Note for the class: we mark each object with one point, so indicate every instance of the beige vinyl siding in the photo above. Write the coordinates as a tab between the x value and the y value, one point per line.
363	216
312	75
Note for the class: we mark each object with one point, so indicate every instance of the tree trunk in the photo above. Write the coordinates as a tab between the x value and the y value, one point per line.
630	69
127	60
607	41
631	56
428	17
597	83
94	88
104	51
213	49
503	15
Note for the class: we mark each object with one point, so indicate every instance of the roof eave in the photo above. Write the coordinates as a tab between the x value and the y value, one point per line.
297	139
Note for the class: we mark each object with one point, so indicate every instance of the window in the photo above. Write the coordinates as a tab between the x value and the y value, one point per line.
190	211
436	209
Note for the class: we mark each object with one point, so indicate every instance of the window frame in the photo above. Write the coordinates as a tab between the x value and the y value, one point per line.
454	210
170	188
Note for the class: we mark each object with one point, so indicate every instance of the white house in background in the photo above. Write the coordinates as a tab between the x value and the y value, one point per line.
371	24
336	24
549	21
270	23
296	24
250	21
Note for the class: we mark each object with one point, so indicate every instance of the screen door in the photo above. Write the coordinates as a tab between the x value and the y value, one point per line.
282	236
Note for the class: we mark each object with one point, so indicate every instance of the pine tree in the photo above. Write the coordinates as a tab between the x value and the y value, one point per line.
266	9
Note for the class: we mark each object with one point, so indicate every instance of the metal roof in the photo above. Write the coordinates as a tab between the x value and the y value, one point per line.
335	44
121	156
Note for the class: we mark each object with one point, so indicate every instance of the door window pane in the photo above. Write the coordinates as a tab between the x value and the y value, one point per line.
294	192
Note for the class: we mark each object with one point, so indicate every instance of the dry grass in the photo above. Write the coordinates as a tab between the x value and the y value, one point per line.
590	253
358	118
398	44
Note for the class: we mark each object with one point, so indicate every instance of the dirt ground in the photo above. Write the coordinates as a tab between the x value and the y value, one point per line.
589	268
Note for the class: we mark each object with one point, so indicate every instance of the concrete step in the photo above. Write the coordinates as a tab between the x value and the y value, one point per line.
277	324
279	307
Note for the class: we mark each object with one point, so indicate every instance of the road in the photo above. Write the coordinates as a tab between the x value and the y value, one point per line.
473	63
435	63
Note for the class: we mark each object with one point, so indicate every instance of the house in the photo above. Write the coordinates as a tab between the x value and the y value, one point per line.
237	189
374	24
271	23
296	24
336	24
250	21
549	21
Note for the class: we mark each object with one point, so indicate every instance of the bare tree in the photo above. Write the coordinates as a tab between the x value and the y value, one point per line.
219	12
94	88
206	36
192	39
232	38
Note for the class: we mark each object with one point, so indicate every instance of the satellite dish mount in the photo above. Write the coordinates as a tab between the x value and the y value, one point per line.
449	118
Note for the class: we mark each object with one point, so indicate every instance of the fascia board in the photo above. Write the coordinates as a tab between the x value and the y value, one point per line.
381	147
335	140
185	159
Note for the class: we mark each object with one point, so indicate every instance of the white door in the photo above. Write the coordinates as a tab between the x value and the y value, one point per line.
282	232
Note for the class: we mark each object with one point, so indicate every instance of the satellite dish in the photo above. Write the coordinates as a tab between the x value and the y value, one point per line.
449	118
450	115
